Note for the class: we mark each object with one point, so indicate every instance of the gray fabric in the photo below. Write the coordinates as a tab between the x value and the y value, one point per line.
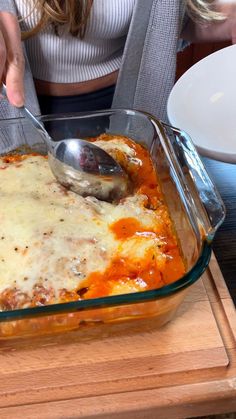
132	56
7	6
148	67
149	62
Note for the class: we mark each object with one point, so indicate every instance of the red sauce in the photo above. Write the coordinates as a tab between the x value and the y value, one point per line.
13	158
153	269
126	227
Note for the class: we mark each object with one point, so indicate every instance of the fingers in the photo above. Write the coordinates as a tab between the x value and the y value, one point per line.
12	58
3	55
14	79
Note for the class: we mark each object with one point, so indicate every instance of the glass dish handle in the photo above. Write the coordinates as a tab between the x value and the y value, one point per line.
194	177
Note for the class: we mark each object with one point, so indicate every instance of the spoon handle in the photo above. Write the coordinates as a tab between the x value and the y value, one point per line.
36	123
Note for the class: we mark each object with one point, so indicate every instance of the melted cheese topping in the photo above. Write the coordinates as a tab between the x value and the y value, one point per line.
57	246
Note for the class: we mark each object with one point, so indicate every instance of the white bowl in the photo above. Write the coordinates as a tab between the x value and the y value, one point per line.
203	103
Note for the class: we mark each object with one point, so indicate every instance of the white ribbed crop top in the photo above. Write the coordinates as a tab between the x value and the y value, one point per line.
68	59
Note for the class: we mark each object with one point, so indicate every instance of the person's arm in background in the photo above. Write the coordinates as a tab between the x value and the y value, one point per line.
11	58
217	31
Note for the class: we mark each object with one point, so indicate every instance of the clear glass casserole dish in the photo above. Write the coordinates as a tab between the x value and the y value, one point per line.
194	204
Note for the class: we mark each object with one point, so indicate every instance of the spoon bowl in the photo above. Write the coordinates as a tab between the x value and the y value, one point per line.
80	165
87	169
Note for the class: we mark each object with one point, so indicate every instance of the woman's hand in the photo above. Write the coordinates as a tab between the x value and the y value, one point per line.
11	58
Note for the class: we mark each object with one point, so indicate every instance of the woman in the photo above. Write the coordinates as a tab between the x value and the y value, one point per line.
79	50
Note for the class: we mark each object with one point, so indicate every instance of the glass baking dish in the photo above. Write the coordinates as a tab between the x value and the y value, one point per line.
195	206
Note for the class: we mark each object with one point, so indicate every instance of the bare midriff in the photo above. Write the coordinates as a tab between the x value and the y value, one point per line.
69	89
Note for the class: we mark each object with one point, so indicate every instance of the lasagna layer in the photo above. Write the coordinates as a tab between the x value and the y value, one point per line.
56	246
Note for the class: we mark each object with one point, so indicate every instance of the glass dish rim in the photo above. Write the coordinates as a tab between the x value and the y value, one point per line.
123	299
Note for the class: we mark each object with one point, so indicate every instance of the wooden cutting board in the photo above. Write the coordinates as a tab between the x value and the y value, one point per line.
131	370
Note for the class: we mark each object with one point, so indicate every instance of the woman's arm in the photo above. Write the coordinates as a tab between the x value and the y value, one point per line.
224	30
11	58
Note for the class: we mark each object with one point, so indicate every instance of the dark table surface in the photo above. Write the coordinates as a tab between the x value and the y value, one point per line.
224	247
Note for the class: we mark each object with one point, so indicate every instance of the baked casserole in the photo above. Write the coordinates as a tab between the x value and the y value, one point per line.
56	246
68	261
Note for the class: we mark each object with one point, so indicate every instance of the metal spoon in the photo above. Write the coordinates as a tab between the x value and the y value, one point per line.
80	165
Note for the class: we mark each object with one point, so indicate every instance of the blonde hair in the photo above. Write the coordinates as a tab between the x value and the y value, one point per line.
74	14
203	10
